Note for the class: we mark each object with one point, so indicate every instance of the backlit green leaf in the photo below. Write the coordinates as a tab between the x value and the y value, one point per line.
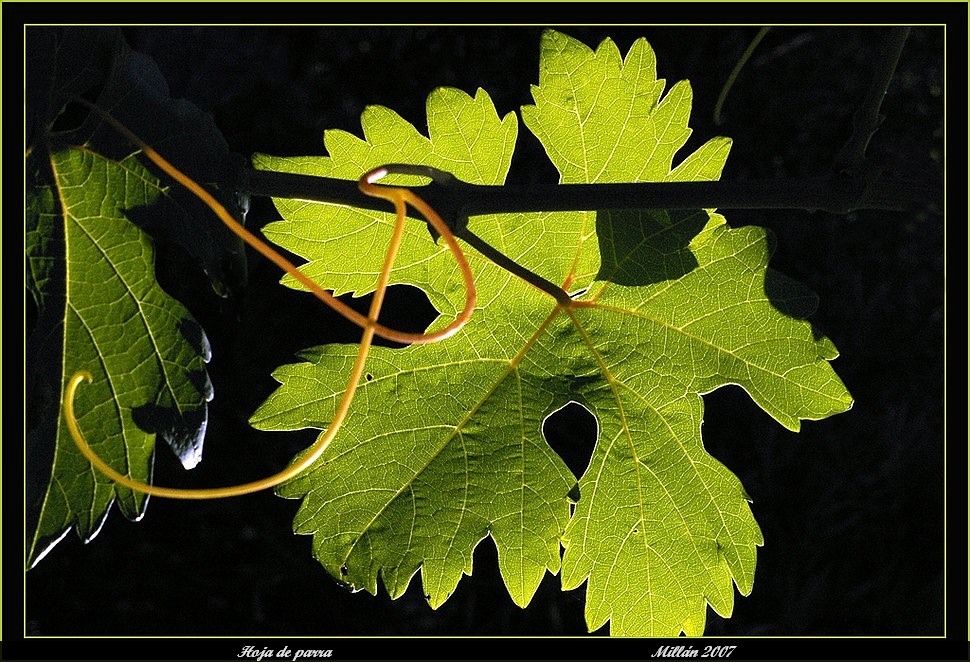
443	446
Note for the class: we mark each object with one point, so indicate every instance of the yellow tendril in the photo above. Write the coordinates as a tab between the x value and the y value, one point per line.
400	197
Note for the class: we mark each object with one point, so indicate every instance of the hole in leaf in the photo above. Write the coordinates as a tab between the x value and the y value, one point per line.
406	308
344	570
369	377
571	431
573	494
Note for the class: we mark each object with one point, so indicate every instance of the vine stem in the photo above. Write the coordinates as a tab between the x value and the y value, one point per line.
866	119
850	185
838	193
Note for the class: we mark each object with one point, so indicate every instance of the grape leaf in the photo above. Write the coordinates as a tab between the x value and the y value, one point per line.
145	352
90	270
443	446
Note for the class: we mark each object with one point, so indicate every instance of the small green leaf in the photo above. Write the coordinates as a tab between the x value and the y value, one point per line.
141	345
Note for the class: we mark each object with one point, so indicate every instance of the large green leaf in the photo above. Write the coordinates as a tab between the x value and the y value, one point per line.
444	444
90	268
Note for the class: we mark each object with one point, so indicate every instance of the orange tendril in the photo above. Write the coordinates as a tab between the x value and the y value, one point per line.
400	197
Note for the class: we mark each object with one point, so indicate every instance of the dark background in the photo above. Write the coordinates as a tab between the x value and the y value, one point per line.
851	508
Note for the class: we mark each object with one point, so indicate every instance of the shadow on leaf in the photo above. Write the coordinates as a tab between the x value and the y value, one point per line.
644	246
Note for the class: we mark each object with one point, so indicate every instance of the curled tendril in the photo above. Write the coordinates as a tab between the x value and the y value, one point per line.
400	198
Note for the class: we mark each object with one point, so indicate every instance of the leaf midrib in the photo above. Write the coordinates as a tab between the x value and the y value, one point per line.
512	367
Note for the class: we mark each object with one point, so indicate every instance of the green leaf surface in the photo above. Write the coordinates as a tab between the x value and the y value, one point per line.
90	268
444	447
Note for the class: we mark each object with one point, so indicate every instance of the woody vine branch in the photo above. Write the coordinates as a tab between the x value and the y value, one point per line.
855	181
